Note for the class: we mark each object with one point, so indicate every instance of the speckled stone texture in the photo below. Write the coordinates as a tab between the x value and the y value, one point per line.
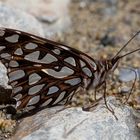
73	123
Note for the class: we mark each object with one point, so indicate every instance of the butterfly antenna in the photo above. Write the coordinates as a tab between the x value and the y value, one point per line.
125	45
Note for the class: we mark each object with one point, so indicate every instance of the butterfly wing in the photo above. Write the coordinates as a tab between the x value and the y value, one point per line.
42	72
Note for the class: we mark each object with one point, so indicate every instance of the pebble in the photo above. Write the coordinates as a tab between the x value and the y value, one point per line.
127	75
125	89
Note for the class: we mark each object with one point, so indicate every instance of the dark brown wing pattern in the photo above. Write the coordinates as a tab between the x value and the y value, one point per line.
42	72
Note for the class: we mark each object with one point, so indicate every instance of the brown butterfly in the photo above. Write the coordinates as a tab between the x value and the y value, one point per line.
44	73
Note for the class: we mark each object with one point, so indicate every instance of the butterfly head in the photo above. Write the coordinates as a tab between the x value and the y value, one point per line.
111	64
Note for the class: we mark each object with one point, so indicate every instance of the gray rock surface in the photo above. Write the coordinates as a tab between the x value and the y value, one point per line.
75	124
52	13
3	76
17	19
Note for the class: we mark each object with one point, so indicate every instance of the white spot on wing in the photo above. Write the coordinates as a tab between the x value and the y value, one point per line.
5	55
46	102
64	72
13	39
18	97
90	61
14	83
33	90
87	71
16	75
17	89
82	63
18	104
70	60
37	38
60	97
64	47
96	79
30	107
70	96
18	32
48	59
33	56
2	47
56	51
37	65
34	78
13	63
18	51
31	46
73	81
34	100
52	89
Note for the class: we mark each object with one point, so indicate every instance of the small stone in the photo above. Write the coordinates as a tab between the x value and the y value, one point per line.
82	4
107	40
127	75
125	89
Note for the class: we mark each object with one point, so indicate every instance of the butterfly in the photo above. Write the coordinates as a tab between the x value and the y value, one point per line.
44	73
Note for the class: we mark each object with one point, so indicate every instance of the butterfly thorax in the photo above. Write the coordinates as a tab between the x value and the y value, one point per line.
104	68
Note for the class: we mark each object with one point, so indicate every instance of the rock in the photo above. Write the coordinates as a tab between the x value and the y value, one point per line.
107	40
53	13
17	19
127	75
3	76
73	123
125	89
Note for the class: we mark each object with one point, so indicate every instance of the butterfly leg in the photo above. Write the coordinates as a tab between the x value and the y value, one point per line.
93	105
133	85
95	93
107	106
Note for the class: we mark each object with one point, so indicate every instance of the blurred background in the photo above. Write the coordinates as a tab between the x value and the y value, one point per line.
96	27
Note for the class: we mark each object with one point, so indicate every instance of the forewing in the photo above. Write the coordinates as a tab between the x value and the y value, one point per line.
42	72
